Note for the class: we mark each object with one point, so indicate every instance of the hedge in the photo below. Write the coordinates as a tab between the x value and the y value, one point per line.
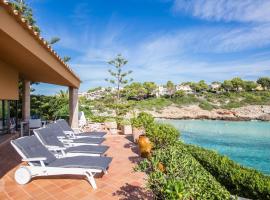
183	177
239	180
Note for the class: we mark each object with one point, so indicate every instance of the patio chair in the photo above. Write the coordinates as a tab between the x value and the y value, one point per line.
49	139
41	162
56	129
72	133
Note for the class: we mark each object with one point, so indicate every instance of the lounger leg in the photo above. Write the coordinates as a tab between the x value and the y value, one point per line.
91	179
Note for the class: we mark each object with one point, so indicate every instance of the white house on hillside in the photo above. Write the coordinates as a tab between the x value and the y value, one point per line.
184	87
97	94
215	86
161	91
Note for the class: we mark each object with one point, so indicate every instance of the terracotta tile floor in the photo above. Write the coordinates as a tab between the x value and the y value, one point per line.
121	182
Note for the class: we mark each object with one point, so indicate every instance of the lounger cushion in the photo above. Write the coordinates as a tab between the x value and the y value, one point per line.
92	134
89	140
64	125
87	149
31	147
48	136
86	162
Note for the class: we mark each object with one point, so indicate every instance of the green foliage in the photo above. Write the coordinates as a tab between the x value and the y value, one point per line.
200	86
143	120
125	122
135	90
66	58
162	135
183	178
118	76
170	88
146	119
237	179
250	85
186	100
227	85
179	93
237	83
26	12
98	119
54	40
264	82
110	119
94	89
150	88
135	122
206	106
153	103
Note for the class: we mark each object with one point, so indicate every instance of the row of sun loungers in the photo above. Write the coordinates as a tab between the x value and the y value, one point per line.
57	150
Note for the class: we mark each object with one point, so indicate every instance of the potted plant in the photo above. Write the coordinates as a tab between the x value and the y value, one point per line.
126	127
137	129
111	125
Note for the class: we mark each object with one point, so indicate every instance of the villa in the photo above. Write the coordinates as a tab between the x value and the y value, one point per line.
161	91
184	87
25	57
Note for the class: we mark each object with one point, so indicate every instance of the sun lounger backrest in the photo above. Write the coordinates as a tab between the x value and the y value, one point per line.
48	136
31	147
56	129
64	125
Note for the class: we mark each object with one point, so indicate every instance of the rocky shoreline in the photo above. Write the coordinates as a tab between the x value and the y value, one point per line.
246	113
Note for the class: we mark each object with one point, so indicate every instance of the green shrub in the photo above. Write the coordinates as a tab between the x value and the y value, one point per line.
183	178
162	135
237	179
252	99
206	106
146	119
135	122
153	103
98	119
186	100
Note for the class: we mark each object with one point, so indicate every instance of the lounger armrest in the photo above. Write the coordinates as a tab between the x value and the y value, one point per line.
69	132
61	137
34	159
66	140
56	148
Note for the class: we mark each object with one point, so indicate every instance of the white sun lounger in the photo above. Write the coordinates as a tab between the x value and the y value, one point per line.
73	141
48	138
41	162
73	134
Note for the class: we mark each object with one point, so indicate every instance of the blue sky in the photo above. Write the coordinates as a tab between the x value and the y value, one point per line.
178	40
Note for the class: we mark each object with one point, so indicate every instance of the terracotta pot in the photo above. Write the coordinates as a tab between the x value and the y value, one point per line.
145	146
136	132
127	129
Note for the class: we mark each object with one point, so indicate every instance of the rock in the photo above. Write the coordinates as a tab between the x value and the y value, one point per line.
252	112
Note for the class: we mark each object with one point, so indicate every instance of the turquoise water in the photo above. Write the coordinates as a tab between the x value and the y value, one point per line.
248	143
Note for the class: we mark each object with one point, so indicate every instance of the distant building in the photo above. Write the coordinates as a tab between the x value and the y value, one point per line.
215	86
184	87
161	91
259	88
96	94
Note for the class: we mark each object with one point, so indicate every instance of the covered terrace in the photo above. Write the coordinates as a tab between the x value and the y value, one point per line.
26	57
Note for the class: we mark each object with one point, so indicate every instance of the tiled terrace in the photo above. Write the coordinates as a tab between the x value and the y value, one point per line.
120	182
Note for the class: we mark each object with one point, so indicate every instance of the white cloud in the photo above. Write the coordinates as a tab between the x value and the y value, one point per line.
173	54
227	10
